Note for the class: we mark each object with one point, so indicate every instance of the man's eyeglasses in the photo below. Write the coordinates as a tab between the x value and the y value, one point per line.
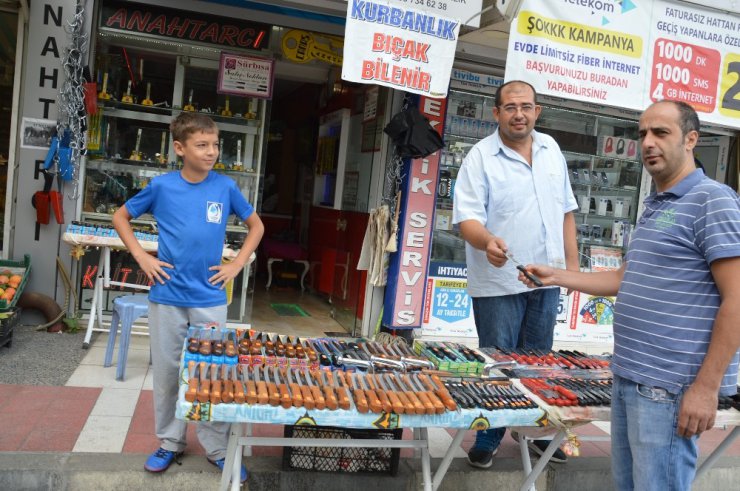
513	108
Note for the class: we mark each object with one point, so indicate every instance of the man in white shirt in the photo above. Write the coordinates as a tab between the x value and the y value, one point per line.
513	195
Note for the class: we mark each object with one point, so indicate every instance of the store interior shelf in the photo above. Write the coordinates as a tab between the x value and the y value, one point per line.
598	187
602	217
603	157
227	123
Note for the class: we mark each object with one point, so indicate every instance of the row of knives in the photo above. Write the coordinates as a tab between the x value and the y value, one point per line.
319	389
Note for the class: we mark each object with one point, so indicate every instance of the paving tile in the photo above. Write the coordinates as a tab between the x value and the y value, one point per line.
265	430
27	405
50	440
116	402
20	421
95	356
194	447
66	414
265	452
6	391
589	449
140	443
11	439
94	376
605	447
143	418
103	434
439	443
148	380
78	393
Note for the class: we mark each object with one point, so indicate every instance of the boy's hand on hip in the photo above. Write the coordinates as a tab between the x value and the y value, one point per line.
152	267
226	273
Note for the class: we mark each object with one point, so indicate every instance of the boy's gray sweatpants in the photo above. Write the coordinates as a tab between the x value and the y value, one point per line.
168	328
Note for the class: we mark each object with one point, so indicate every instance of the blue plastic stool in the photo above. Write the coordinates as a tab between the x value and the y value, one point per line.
126	310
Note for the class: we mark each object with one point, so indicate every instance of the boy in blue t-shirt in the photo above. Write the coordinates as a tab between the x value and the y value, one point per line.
191	207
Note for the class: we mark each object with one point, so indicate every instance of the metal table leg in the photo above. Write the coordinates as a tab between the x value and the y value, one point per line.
231	458
426	465
542	462
96	307
717	453
447	460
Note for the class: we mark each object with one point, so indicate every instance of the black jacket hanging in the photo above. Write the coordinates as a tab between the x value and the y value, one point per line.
413	135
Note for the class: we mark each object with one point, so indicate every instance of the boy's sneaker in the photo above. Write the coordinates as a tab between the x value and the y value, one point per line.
220	464
539	447
160	460
481	458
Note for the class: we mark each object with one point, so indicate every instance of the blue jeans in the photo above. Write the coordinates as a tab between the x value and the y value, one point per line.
647	453
524	320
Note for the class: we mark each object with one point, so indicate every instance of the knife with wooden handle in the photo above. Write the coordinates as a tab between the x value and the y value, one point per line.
396	403
295	389
308	401
341	391
227	386
240	396
382	396
329	395
410	395
372	398
421	395
408	406
439	408
204	392
215	385
440	391
251	393
272	390
285	400
357	394
318	397
192	392
263	396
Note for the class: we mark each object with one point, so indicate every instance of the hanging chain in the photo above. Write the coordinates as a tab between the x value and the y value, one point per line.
72	95
393	171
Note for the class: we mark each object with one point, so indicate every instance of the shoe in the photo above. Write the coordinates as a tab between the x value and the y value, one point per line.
480	458
161	460
539	447
220	464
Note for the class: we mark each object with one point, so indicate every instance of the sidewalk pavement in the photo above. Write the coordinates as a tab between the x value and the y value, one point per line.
79	435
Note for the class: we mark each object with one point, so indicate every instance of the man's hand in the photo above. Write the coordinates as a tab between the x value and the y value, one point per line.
226	273
496	251
545	274
152	267
698	409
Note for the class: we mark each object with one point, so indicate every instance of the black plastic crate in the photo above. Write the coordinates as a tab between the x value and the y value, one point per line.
340	459
8	321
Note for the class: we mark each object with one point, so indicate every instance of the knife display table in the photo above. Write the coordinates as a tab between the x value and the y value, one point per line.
462	419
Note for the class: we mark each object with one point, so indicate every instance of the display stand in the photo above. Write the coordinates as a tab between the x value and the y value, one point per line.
463	419
103	281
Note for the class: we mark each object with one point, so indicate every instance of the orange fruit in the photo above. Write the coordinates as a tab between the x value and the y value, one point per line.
13	284
16	277
10	291
3	279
